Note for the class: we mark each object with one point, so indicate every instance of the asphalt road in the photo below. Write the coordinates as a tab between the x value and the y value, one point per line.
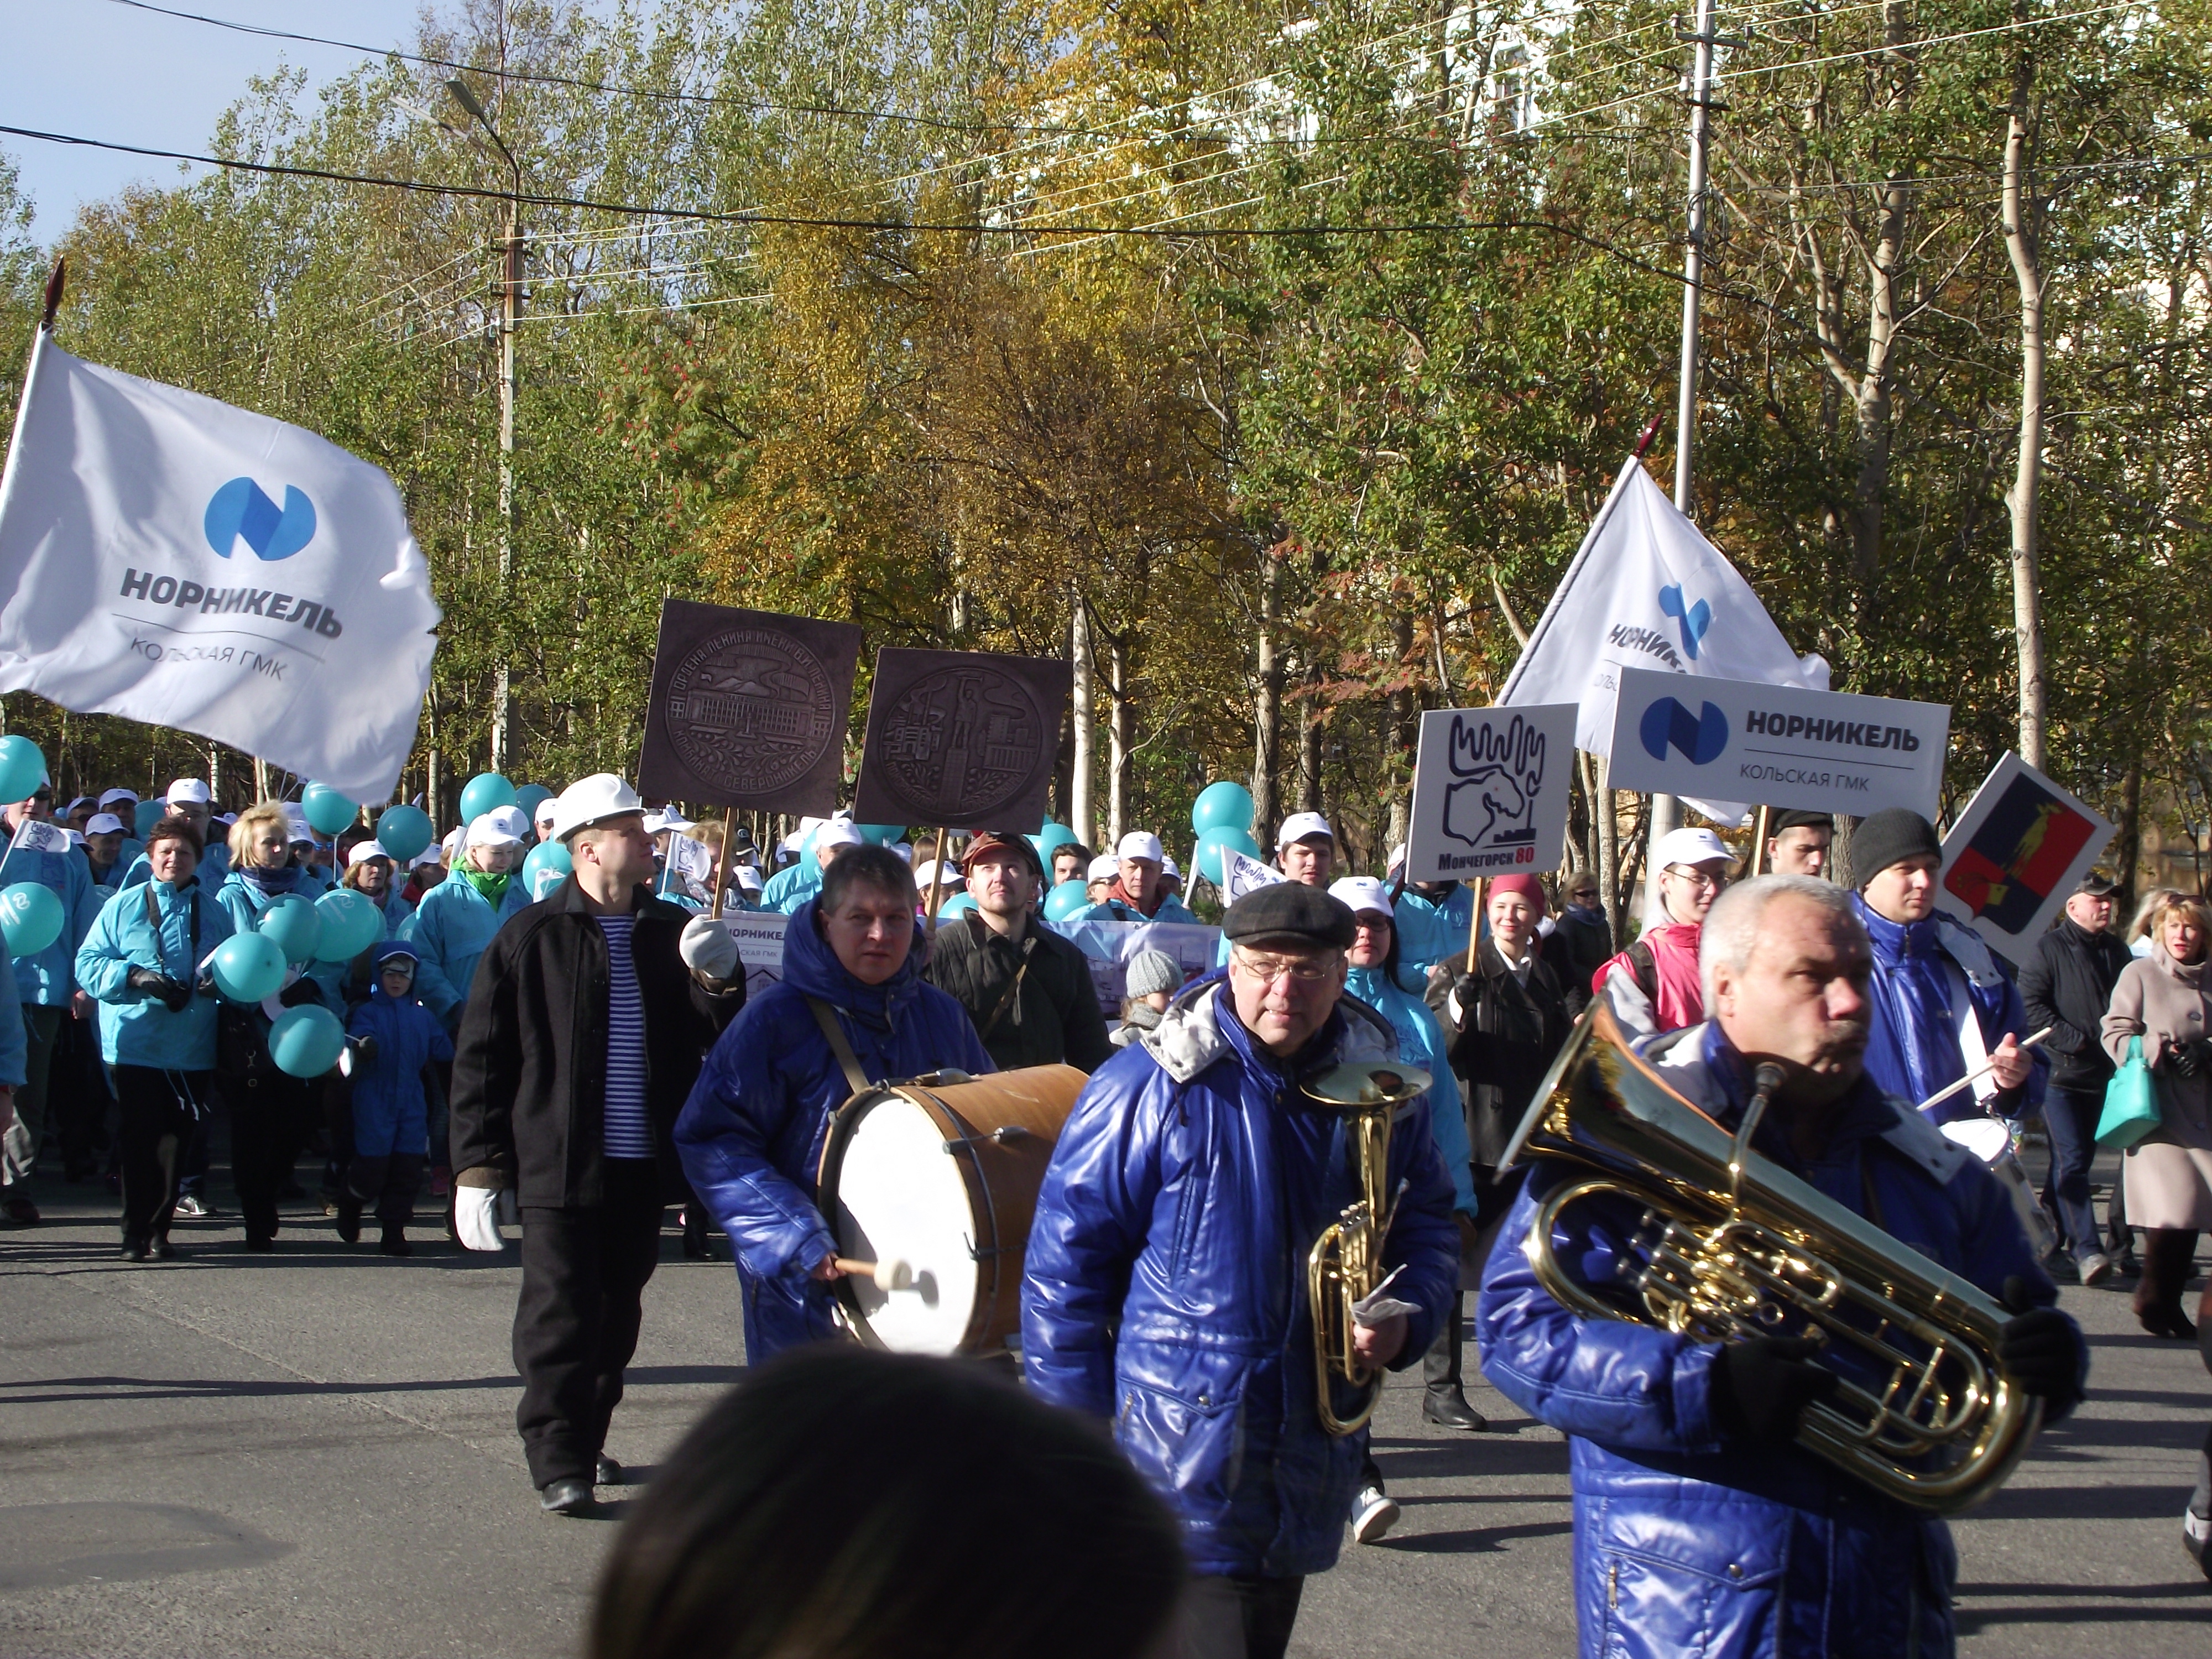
312	1452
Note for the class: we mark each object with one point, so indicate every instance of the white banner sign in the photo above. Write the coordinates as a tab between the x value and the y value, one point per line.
1245	875
759	934
1109	944
172	559
1490	792
2014	855
1824	751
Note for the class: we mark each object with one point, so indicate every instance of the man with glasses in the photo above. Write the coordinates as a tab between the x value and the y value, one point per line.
45	983
1653	986
1183	1197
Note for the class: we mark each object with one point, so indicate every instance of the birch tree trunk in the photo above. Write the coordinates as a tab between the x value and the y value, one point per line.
1120	754
1079	815
1267	705
2022	242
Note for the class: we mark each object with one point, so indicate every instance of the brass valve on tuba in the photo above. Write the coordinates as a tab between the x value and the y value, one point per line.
1345	1265
1732	1246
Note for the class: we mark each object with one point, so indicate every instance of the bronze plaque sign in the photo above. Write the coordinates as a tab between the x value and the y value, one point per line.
961	739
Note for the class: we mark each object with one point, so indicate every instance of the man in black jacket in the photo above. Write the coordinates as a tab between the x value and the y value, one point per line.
588	1020
2067	985
1028	990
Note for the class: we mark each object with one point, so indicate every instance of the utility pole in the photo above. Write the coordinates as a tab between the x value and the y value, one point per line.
502	704
1667	809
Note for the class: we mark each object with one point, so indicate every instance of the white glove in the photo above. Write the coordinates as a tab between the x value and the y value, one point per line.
475	1219
708	948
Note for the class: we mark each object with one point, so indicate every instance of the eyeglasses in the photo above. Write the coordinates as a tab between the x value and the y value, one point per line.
1690	876
1268	969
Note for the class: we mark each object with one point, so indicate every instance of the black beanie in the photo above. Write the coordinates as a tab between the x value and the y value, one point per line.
1889	837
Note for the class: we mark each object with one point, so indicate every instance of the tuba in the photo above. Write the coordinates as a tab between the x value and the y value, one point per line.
1345	1265
1731	1246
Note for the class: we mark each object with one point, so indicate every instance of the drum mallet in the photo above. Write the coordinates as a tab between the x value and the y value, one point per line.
1981	1071
889	1276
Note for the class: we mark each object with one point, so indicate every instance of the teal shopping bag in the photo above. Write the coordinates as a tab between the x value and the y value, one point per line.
2130	1102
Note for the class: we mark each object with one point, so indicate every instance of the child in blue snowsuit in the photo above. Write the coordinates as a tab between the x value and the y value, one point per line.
394	1039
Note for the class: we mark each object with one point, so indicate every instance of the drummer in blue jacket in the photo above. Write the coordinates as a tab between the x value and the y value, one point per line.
1185	1192
1701	1524
457	918
396	1041
751	1135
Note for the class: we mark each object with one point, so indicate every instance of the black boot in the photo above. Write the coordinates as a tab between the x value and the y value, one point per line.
348	1218
695	1233
395	1242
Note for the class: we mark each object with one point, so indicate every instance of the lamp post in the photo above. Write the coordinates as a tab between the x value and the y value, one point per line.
502	713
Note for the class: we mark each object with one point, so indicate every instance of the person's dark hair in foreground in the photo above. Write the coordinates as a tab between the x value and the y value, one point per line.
840	1504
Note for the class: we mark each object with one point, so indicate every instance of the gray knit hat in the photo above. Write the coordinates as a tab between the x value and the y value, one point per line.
1152	970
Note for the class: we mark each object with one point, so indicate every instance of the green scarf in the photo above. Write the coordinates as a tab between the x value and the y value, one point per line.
492	885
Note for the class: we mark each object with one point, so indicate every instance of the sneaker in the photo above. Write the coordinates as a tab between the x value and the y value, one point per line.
195	1207
2096	1268
2196	1539
1374	1512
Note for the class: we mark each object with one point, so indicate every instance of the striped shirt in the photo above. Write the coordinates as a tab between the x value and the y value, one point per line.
629	1131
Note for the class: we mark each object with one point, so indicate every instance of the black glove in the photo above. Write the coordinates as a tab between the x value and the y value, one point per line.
2185	1059
2040	1349
1760	1385
1467	988
173	994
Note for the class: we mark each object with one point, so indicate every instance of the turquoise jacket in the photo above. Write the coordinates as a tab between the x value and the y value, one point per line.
449	931
791	887
1429	931
1172	910
134	1029
1421	1043
14	1044
214	865
126	855
49	978
245	901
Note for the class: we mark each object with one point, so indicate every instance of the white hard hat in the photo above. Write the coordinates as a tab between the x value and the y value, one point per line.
102	823
1362	893
593	801
194	790
1303	826
838	832
1140	844
1104	868
363	851
1690	846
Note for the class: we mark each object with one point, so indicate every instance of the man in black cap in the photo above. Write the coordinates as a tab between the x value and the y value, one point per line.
1797	843
1183	1197
2067	985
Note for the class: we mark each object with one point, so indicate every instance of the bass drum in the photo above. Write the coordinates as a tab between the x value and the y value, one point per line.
940	1176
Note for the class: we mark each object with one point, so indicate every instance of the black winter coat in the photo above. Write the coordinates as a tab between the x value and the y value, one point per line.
1575	951
2067	985
1054	1018
530	1065
1503	1046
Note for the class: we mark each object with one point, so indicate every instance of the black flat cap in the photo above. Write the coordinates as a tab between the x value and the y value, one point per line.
1796	819
1292	911
1890	836
2097	884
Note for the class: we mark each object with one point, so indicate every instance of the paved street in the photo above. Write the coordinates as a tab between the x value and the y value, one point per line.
312	1452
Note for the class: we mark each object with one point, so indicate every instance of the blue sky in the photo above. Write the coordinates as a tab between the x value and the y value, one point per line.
97	70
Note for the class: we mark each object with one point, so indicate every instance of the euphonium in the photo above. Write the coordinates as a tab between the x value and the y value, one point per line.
1733	1246
1345	1263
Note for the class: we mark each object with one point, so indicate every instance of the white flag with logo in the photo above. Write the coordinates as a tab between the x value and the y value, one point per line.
1245	874
1646	590
175	560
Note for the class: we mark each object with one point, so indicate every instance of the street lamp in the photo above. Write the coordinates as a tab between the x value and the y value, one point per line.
502	715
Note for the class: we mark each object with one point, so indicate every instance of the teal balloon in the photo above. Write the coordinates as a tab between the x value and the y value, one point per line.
30	918
1223	805
1065	900
350	922
403	832
1210	843
148	813
881	835
22	767
487	791
546	867
530	797
327	811
292	925
305	1041
1054	835
248	967
954	905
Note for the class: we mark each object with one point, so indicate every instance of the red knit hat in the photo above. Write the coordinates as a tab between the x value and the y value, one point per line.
1528	886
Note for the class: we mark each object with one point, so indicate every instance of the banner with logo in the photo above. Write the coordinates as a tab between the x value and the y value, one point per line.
1243	873
2014	855
1646	590
174	560
962	739
1109	944
1490	792
1824	751
759	934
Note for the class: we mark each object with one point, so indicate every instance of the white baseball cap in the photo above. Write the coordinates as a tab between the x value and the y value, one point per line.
451	847
183	790
102	823
111	796
1140	844
1303	826
1104	868
1170	867
838	832
432	854
545	809
667	818
926	871
593	801
1362	893
747	877
295	820
487	830
1690	846
510	819
363	851
905	850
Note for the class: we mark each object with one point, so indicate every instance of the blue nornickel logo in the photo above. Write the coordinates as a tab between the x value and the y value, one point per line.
1695	619
239	511
1699	737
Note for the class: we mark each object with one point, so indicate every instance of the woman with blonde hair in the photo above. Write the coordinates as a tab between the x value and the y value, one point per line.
2138	933
2166	998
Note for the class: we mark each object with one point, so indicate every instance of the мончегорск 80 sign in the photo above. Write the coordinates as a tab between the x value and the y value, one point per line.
1824	751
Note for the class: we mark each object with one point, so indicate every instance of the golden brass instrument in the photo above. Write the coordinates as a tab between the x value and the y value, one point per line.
1345	1263
1733	1246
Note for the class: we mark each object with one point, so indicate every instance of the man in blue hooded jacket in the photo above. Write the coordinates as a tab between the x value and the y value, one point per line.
751	1135
1700	1524
1163	1289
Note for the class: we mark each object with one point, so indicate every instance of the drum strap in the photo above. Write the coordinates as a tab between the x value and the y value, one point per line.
826	1017
1014	990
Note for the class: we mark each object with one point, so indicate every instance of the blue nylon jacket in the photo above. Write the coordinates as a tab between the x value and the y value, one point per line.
1913	1050
390	1109
791	887
1165	1281
1421	1043
134	1029
50	977
449	931
1172	909
751	1135
213	867
1685	1544
1429	931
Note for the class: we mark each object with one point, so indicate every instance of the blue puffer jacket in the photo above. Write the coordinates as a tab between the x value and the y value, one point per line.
1914	1050
134	1029
1430	931
390	1109
751	1135
1421	1043
449	931
1165	1280
50	977
1686	1544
